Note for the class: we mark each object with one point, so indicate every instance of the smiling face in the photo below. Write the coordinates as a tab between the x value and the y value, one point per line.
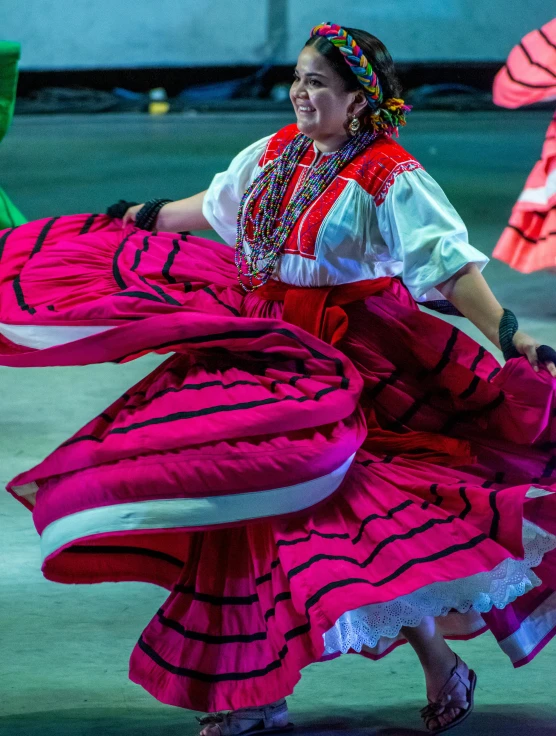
321	103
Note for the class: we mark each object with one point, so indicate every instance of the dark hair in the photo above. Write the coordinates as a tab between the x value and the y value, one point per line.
377	54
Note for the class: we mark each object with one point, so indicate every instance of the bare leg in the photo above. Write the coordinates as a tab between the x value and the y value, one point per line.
437	660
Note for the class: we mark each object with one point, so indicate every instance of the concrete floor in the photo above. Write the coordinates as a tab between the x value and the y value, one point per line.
64	650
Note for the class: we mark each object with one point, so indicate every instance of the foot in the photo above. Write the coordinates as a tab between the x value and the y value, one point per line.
273	717
450	702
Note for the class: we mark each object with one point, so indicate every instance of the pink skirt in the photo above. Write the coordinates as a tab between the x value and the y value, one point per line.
240	476
529	241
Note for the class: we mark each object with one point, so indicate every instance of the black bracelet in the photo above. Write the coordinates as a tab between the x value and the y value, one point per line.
443	306
146	217
546	354
506	331
119	209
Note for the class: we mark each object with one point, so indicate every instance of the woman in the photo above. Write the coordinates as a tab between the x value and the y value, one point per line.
321	467
529	242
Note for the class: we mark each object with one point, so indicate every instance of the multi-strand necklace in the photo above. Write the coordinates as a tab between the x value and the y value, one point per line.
261	231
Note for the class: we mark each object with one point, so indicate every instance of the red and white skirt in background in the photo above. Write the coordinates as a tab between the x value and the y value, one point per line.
529	241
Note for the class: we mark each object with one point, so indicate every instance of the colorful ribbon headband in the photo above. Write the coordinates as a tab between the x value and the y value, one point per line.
355	57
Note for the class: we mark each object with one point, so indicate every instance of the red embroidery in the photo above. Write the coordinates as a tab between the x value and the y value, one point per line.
278	142
380	196
303	238
375	170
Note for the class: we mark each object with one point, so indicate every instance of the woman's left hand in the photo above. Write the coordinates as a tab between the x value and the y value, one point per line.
527	346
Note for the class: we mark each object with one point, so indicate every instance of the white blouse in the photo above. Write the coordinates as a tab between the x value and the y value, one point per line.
413	232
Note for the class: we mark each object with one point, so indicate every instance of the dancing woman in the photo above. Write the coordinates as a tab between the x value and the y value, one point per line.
320	466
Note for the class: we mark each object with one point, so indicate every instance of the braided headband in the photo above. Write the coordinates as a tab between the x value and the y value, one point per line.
354	57
388	114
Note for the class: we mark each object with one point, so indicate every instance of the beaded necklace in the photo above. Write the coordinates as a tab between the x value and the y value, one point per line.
261	232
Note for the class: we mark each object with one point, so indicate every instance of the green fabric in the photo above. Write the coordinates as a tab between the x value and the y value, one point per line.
9	56
10	216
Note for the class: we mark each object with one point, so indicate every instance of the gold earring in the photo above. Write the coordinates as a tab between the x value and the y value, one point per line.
354	126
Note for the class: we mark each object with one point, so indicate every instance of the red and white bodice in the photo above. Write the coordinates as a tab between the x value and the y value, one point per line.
383	215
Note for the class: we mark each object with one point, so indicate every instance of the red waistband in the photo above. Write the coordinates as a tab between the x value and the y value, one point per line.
318	310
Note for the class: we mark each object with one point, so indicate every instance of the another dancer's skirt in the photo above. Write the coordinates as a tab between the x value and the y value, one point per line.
529	76
528	243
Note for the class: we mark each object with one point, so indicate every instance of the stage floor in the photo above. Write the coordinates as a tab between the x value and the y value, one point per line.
64	650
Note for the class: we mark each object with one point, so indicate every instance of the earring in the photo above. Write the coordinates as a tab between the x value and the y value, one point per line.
354	126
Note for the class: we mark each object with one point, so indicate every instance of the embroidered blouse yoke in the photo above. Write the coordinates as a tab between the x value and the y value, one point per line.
383	215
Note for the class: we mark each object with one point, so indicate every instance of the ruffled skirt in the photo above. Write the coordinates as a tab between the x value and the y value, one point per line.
264	477
528	243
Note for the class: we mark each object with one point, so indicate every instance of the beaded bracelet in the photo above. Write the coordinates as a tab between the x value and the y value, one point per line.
506	331
146	217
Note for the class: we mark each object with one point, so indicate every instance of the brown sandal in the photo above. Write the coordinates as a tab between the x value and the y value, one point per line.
448	698
271	718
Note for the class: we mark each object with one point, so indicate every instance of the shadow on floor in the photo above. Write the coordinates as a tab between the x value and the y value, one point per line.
499	721
97	722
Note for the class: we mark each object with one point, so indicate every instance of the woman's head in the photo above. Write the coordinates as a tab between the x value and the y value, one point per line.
374	51
326	92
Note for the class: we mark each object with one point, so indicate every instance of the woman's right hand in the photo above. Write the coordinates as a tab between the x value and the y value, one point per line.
527	346
131	214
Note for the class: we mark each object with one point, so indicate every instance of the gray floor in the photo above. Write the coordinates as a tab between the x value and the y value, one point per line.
64	650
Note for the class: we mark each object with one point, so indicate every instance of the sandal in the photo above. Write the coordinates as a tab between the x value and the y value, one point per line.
448	698
268	718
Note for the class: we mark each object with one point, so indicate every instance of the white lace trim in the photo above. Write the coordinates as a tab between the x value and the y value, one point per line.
499	587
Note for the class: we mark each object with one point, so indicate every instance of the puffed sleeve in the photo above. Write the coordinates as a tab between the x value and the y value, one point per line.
222	199
424	232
